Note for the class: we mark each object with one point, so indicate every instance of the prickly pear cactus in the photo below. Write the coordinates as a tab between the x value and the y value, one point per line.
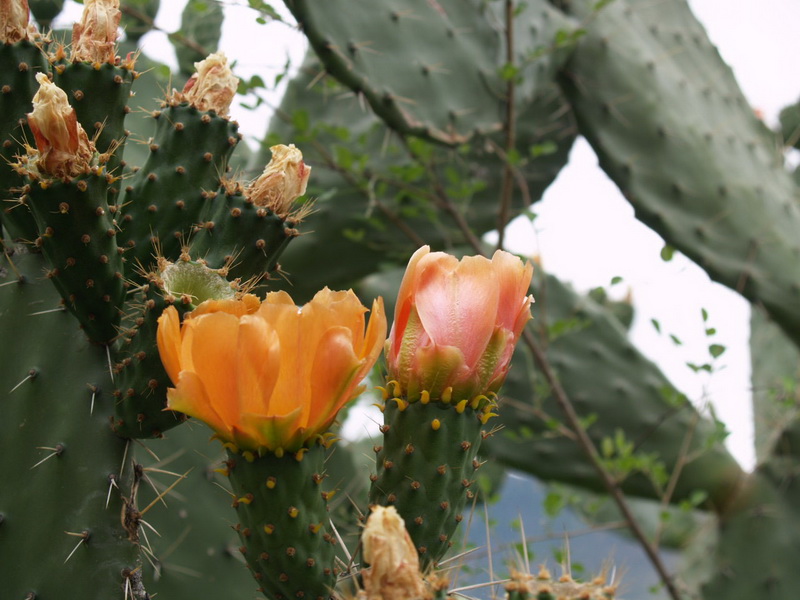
74	289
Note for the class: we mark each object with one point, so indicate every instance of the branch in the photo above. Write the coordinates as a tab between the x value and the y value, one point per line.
175	36
509	127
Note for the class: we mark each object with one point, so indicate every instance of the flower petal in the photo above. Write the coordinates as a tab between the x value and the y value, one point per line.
258	364
458	306
168	339
333	377
190	397
213	350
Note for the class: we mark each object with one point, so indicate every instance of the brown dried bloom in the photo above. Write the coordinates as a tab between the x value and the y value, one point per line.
212	87
13	21
282	182
64	149
394	563
94	39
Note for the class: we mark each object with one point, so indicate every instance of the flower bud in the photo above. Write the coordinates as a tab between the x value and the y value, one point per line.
394	572
283	181
64	149
94	39
13	21
212	87
457	323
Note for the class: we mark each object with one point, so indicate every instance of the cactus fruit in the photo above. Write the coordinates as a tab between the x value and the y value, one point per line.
66	193
261	213
93	70
426	467
21	59
542	586
283	522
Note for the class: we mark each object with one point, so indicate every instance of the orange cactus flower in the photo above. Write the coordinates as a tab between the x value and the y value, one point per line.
269	375
456	324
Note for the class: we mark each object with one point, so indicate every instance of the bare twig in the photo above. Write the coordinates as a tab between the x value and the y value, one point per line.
589	449
509	128
174	36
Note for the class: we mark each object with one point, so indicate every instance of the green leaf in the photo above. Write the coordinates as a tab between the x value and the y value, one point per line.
716	350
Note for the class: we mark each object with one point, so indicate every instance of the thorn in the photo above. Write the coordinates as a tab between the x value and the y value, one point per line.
165	492
108	357
93	388
124	458
112	483
151	453
153	529
226	490
57	451
31	375
44	312
341	542
84	535
476	586
153	485
524	544
489	545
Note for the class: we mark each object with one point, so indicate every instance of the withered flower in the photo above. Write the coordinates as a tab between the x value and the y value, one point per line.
94	39
212	87
283	181
394	572
13	21
62	147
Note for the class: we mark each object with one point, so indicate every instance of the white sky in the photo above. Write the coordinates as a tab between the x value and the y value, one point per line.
758	38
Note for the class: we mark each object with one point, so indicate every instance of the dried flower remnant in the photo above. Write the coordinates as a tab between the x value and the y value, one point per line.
394	572
212	87
14	21
63	149
94	39
283	181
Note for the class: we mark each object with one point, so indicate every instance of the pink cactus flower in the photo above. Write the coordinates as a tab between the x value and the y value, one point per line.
456	324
